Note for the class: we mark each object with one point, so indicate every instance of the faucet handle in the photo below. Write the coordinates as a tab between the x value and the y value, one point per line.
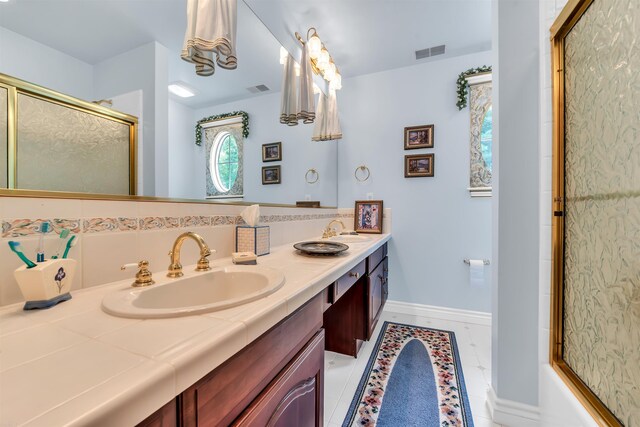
143	276
203	262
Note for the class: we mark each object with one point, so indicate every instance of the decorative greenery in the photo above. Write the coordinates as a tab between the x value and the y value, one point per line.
245	123
462	84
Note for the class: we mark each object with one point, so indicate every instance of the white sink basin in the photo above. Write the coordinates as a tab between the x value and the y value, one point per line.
350	238
199	293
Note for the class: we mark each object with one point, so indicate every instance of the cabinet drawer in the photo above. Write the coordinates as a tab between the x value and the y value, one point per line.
374	259
343	284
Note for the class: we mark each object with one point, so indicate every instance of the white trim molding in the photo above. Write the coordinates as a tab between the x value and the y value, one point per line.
511	413
443	313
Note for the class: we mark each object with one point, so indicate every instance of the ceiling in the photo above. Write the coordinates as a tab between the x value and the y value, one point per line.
363	36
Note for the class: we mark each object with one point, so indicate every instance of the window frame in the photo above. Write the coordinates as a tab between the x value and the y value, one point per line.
473	80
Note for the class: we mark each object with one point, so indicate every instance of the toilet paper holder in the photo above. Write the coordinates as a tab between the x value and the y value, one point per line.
484	261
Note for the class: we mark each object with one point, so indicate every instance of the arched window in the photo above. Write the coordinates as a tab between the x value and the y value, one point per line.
224	162
224	156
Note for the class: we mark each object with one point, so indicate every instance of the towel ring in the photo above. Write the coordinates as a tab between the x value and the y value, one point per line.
363	168
311	172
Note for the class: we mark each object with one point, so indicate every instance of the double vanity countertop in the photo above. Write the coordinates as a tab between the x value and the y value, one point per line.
73	364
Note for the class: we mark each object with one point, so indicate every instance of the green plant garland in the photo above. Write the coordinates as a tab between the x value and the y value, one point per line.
245	123
462	84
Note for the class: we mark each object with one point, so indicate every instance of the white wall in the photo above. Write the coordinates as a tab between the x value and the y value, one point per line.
436	224
299	154
516	191
36	63
144	68
186	159
558	406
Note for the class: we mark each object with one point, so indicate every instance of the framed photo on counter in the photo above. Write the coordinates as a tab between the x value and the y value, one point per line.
368	216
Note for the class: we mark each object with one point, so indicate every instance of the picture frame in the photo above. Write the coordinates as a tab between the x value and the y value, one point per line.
416	137
272	152
368	216
271	175
419	165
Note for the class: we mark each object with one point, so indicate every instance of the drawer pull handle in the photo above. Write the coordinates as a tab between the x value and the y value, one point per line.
352	274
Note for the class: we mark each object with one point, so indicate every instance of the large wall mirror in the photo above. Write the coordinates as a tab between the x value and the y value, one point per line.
123	56
595	337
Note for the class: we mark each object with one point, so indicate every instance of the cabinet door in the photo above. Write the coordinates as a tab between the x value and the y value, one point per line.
295	397
377	294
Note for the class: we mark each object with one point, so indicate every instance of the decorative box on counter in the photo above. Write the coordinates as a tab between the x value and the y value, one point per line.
253	239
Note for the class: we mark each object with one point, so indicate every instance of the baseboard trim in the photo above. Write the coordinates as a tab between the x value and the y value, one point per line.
443	313
511	413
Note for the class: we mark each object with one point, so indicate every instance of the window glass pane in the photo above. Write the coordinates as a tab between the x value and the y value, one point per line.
233	149
486	138
233	174
223	173
224	151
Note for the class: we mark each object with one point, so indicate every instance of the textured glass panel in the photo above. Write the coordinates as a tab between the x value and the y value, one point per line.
63	149
3	137
480	107
602	189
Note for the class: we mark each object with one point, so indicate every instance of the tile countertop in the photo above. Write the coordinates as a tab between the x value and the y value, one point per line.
76	365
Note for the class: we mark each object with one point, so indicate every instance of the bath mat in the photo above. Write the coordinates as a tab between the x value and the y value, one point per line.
413	378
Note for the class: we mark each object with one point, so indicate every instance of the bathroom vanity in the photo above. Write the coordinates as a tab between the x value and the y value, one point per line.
278	378
246	365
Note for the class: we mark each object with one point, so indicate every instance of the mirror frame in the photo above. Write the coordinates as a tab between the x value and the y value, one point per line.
16	86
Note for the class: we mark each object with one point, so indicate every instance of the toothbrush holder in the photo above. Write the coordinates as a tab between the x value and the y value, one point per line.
46	284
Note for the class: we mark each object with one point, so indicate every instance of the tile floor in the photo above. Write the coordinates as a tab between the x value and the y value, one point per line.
342	373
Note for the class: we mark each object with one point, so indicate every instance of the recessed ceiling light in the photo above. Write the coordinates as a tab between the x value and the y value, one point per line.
4	1
179	90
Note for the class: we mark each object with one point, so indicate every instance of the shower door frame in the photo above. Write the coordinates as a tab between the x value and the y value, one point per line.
570	15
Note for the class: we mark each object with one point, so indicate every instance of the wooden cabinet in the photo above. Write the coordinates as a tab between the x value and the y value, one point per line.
377	292
267	365
295	397
359	297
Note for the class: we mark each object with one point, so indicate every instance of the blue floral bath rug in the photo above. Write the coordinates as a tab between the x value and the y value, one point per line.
413	378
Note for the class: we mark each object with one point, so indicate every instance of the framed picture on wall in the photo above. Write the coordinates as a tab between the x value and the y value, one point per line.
272	152
418	137
418	165
368	216
270	175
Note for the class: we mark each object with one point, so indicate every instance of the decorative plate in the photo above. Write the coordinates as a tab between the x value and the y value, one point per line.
321	247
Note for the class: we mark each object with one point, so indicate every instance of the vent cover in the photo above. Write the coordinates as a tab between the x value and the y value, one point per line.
430	51
258	89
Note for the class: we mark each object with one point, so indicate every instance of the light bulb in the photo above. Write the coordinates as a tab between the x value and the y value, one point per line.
315	46
283	55
330	72
323	59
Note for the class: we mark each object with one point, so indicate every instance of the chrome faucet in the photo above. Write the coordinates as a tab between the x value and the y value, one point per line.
329	231
175	269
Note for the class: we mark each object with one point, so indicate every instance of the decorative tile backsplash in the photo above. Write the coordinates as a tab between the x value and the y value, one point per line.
12	228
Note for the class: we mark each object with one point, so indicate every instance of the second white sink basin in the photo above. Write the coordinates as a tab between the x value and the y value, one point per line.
200	293
350	238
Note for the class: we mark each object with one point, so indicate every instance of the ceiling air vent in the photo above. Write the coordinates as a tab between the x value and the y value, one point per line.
258	89
430	51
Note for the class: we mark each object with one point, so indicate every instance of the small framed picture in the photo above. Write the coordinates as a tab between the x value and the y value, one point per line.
368	216
418	165
418	137
272	152
270	175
